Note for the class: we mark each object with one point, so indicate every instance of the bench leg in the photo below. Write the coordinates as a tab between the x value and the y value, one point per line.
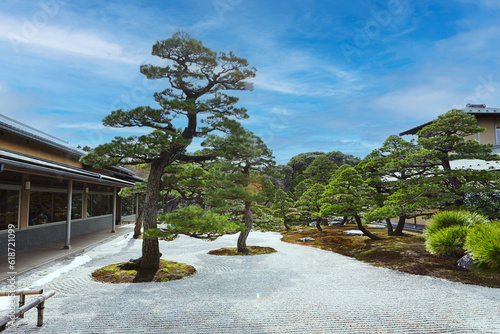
40	308
22	301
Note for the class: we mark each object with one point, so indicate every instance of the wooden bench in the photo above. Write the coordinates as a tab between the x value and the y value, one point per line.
39	302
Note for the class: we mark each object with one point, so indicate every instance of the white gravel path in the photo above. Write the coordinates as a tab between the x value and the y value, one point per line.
296	290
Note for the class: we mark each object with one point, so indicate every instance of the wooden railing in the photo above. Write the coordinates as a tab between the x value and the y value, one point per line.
39	302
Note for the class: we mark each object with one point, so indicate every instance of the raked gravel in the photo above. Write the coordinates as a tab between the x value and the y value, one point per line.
299	289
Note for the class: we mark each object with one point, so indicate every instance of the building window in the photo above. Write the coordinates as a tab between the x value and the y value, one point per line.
9	208
128	205
77	206
497	136
99	205
47	207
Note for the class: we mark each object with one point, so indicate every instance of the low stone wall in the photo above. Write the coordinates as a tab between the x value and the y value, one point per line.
42	234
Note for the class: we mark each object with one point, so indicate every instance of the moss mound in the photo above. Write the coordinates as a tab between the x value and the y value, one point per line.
252	250
168	271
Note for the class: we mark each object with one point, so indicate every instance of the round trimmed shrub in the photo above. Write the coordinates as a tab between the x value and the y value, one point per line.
447	241
483	243
445	219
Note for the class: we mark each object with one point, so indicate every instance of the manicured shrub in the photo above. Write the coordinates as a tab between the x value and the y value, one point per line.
483	243
447	241
445	219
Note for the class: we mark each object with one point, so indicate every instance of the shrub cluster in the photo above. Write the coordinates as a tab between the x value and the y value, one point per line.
460	232
483	243
447	241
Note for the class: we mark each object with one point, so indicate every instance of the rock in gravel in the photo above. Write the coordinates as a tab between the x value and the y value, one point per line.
465	261
353	233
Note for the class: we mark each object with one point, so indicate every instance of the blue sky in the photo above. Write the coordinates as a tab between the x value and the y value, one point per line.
331	75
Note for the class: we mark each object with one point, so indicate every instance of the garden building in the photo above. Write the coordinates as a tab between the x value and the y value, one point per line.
487	118
47	194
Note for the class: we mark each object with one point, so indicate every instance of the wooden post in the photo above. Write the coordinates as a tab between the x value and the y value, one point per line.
22	301
136	207
25	204
113	226
40	308
85	203
67	244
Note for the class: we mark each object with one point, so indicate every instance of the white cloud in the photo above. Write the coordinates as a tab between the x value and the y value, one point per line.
421	102
477	43
299	73
55	40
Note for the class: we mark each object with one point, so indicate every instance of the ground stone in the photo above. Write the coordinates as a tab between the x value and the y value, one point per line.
465	261
306	239
353	233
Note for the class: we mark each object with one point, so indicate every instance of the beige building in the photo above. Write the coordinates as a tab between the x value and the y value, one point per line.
487	118
47	194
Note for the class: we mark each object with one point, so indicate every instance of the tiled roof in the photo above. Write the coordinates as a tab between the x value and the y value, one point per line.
9	124
31	163
475	164
472	109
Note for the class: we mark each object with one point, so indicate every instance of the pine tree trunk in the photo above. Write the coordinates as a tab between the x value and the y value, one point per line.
242	239
390	230
399	228
364	230
150	247
286	224
344	220
138	225
318	224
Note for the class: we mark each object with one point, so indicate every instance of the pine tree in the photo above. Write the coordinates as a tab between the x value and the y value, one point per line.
310	203
283	206
246	158
348	194
197	77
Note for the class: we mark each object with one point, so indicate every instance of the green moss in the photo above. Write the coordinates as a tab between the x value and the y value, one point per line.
167	271
252	250
403	253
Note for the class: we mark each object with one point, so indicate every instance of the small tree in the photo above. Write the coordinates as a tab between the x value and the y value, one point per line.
282	206
390	169
309	203
349	195
246	157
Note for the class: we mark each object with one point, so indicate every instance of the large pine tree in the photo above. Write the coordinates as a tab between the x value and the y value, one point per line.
197	77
